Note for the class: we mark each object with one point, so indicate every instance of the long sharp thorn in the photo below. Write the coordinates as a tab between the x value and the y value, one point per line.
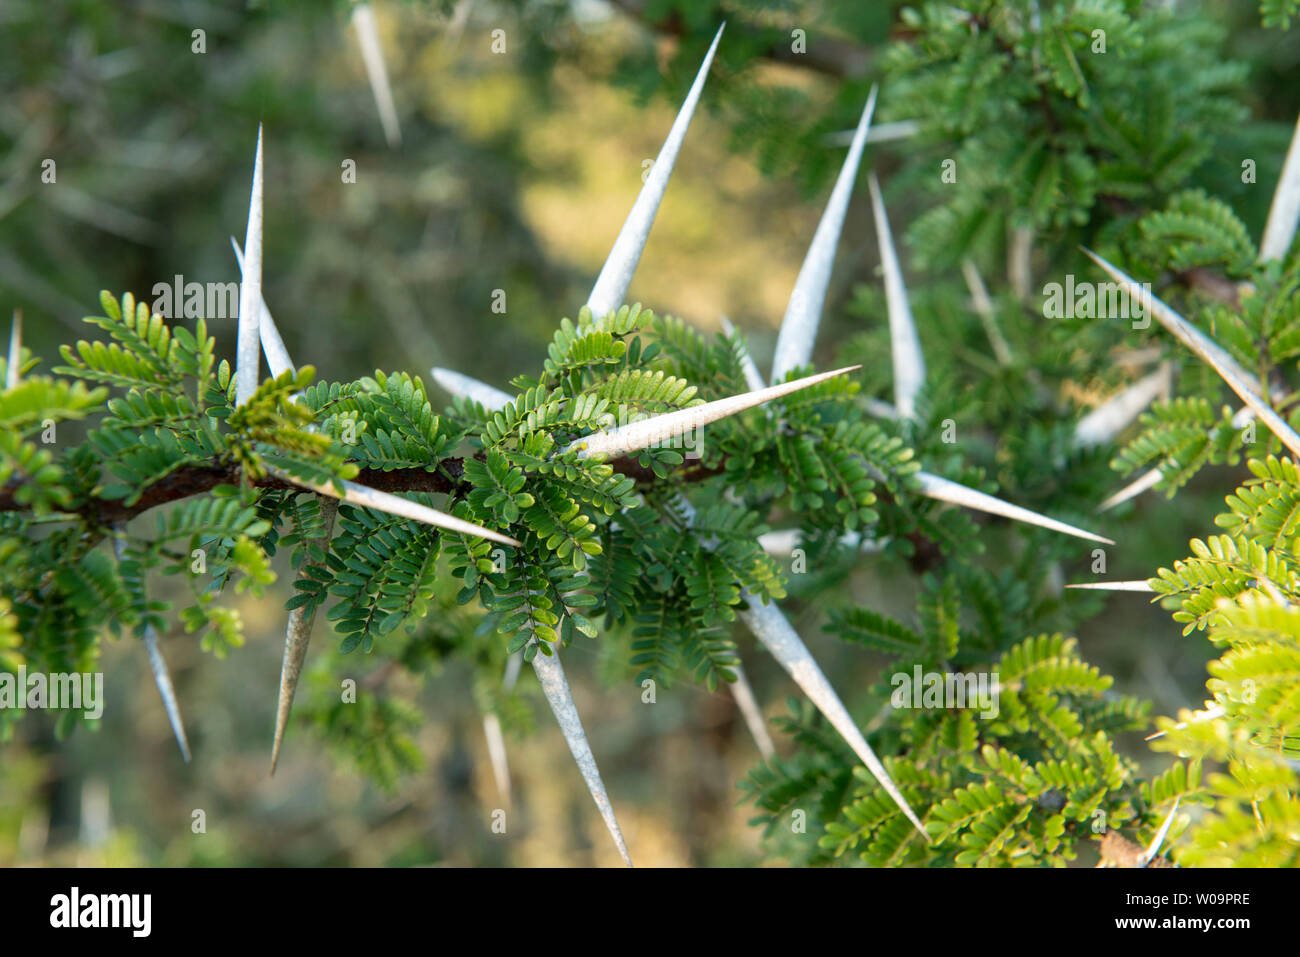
662	428
1113	416
162	678
364	497
616	275
794	343
753	378
983	305
879	133
773	629
372	53
15	350
463	386
1227	368
297	637
250	291
1159	839
277	356
496	743
752	713
909	363
1137	585
1132	490
945	490
556	688
1284	213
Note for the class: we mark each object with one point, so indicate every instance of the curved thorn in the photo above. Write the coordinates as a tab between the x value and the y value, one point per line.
752	713
466	387
556	688
1132	490
297	637
1117	413
1137	585
15	350
1227	368
662	428
277	356
1284	212
946	490
247	356
496	744
794	343
372	54
905	345
162	678
364	497
616	275
774	630
753	378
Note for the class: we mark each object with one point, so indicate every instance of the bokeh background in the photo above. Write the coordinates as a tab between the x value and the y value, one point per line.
514	172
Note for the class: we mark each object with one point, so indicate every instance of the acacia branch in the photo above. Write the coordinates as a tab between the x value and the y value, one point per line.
445	479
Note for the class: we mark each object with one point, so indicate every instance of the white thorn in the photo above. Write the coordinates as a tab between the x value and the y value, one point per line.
1132	490
551	675
616	275
1159	839
162	678
1137	585
247	356
983	306
946	490
753	378
466	387
15	350
784	541
879	133
277	356
372	53
794	343
662	428
1209	714
1113	416
879	408
909	362
364	497
773	629
496	743
1284	213
1227	368
297	639
753	715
